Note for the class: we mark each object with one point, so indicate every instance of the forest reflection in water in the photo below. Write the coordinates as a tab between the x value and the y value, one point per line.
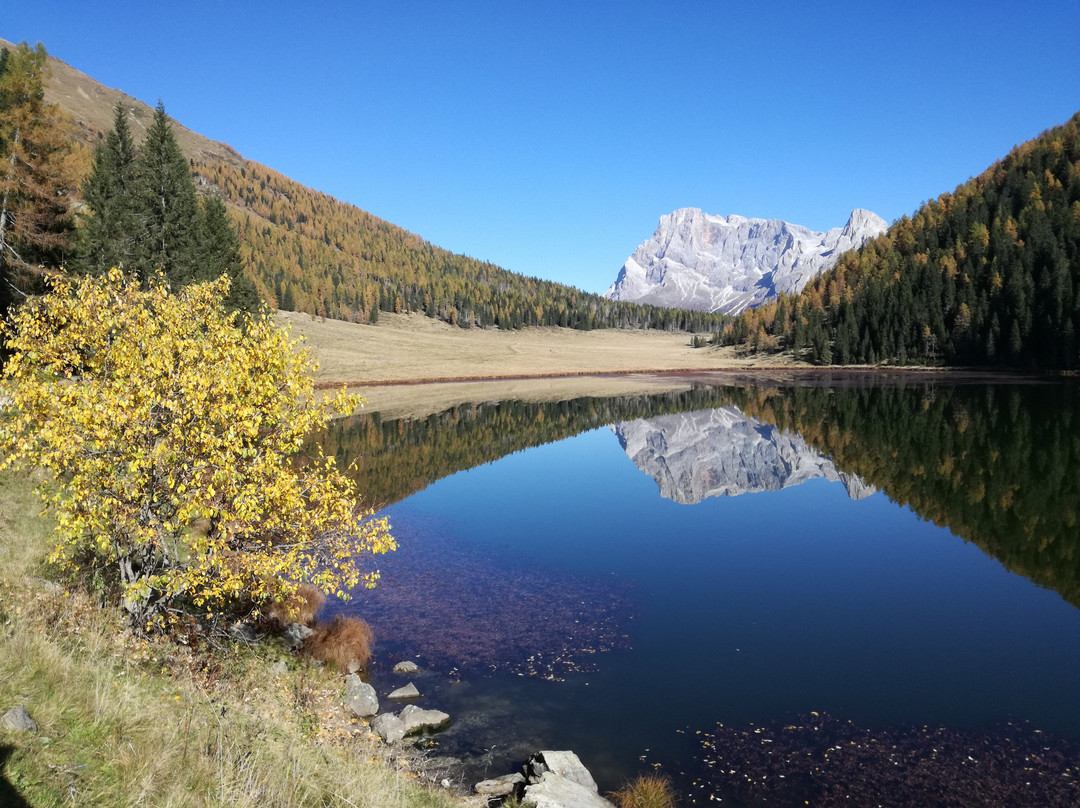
766	563
997	464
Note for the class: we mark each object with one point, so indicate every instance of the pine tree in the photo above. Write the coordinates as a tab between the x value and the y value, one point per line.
169	210
107	239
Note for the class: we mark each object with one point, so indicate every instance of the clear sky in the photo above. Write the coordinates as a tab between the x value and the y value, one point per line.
549	136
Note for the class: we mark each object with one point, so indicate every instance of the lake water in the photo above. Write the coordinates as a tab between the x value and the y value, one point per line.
620	576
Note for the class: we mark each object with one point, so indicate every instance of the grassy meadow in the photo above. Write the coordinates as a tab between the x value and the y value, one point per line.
414	348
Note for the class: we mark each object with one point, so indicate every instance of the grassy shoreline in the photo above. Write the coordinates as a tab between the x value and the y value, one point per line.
407	348
410	365
125	722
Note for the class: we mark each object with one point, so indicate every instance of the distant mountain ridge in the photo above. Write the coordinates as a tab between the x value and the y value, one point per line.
727	264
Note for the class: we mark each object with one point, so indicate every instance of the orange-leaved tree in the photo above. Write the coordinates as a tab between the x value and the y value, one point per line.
171	430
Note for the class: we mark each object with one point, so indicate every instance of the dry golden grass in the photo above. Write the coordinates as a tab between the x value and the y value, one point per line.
410	348
300	608
646	791
127	722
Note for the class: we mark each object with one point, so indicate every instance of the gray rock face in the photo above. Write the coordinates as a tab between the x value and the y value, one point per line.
554	791
18	719
418	720
360	697
727	264
389	727
404	693
407	666
722	452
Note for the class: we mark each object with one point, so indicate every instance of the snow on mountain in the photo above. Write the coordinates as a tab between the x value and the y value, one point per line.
727	264
722	452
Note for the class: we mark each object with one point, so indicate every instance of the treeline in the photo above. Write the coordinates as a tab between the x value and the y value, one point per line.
986	275
310	252
394	458
997	465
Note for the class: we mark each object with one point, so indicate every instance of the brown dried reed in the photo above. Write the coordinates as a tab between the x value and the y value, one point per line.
646	791
300	608
341	642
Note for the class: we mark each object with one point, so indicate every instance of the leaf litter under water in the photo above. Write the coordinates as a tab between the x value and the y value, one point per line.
455	606
824	761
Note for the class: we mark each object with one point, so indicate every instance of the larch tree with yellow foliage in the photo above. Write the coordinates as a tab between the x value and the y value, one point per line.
38	168
171	430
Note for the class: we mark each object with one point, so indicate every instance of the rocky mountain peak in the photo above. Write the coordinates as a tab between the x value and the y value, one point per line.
699	261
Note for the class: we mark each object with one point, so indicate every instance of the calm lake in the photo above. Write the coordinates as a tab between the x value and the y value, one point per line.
619	576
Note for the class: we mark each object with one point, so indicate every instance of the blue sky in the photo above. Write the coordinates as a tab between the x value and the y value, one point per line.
549	137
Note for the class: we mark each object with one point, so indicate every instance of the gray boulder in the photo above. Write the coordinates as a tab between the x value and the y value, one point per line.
404	693
407	666
244	632
563	763
558	779
389	727
360	697
418	720
295	634
555	791
500	786
17	718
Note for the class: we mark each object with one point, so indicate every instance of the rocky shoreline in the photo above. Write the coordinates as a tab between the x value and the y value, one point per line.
549	779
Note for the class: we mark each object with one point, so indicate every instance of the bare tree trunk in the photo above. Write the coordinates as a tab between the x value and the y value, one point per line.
4	215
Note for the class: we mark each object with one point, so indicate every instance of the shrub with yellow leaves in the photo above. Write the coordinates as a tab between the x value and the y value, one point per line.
172	432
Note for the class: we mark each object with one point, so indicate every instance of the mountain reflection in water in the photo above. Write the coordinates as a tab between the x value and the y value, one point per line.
998	464
722	452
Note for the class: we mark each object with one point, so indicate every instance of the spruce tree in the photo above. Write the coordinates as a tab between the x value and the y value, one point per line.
167	206
218	253
108	237
146	216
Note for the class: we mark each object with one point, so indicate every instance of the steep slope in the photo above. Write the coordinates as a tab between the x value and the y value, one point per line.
726	264
91	105
986	275
309	252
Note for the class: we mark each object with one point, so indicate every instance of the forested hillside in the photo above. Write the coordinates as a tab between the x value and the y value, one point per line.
309	252
986	275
